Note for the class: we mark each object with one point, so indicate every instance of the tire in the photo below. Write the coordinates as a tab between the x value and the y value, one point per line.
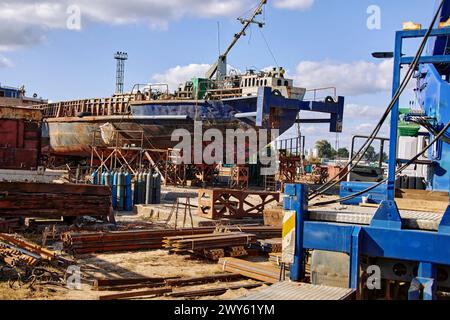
276	92
329	99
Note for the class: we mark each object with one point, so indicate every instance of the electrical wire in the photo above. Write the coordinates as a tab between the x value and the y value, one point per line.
371	138
268	48
422	121
340	176
439	136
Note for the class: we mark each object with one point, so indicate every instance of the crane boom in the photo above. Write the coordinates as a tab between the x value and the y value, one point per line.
220	67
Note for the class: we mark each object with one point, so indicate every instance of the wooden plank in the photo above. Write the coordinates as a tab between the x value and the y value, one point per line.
415	205
422	205
421	194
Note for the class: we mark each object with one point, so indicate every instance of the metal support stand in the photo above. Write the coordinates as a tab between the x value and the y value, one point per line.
444	226
354	259
296	199
423	287
387	216
383	238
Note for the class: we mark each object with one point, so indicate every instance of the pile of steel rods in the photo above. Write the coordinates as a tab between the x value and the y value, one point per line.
115	241
251	270
208	241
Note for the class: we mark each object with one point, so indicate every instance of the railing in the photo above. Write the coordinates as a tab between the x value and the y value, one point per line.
292	147
148	87
319	95
93	107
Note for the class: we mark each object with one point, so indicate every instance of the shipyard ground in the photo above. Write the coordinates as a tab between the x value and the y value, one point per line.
144	263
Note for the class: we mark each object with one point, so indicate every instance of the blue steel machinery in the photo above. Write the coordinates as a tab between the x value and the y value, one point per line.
409	250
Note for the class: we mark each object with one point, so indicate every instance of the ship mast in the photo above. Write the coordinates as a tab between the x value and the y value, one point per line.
219	68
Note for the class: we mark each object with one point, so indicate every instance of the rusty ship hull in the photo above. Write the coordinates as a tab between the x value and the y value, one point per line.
71	131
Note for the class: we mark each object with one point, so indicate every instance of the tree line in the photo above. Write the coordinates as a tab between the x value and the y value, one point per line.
325	150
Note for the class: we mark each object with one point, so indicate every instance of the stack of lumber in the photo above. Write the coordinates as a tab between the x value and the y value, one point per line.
418	200
46	200
114	241
252	270
208	241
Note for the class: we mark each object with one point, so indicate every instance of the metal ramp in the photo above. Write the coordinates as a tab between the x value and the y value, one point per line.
300	291
415	220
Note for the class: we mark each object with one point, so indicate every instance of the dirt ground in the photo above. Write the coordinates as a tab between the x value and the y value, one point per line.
153	263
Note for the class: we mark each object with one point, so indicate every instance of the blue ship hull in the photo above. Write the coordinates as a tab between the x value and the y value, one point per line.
159	118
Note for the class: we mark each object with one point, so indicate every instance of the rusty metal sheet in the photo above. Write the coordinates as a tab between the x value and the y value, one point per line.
20	142
23	113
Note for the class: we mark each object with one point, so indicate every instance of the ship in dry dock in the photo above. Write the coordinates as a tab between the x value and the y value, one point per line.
220	100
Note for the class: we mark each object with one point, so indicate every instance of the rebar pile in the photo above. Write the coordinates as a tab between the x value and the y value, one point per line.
208	241
80	243
47	200
251	270
262	232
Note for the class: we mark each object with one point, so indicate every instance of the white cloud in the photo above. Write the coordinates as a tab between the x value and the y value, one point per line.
5	62
26	22
293	4
356	111
179	74
351	79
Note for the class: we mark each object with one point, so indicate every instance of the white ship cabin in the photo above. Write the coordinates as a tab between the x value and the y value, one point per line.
252	80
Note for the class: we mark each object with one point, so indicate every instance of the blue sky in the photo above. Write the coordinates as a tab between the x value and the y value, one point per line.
320	43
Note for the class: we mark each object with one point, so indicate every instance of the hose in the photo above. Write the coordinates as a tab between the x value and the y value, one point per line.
362	151
440	134
429	127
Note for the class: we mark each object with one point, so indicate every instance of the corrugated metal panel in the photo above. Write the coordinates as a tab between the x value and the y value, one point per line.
362	215
299	291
